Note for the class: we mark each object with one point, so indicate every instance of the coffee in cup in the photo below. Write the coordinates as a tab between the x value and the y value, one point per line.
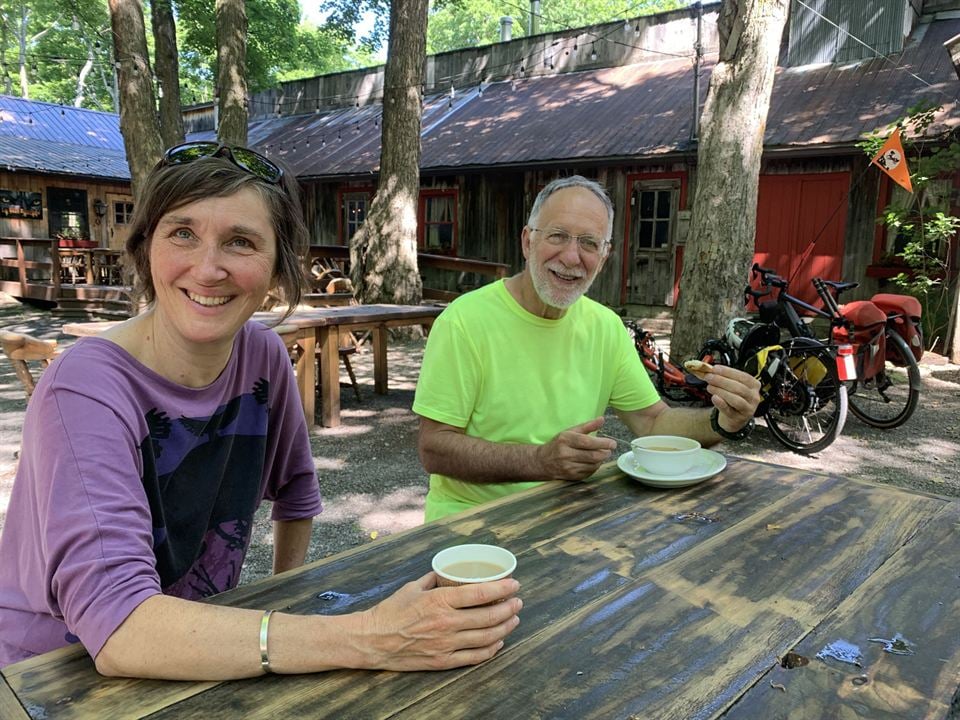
473	563
665	454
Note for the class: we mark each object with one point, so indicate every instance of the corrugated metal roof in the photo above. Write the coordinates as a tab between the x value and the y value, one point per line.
61	158
632	111
43	137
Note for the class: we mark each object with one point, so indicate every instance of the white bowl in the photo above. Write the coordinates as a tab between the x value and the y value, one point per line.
665	454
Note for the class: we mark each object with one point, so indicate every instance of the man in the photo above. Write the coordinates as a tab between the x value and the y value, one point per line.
518	374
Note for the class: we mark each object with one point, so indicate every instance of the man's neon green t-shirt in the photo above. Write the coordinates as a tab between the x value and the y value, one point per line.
508	376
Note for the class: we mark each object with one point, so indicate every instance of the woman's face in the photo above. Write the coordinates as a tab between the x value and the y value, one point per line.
212	263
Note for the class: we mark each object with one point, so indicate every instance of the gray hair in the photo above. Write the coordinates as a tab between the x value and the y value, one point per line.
568	182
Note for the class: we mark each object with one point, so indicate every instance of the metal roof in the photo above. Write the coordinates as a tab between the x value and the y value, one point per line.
627	112
49	138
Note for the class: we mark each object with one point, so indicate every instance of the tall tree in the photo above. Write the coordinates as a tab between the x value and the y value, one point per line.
232	71
724	216
383	253
138	114
167	67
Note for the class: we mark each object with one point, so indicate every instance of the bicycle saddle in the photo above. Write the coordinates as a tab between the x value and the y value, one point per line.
840	286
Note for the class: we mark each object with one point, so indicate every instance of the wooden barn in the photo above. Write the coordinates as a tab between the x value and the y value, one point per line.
617	102
64	205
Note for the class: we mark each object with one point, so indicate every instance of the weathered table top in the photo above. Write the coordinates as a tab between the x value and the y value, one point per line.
638	603
304	317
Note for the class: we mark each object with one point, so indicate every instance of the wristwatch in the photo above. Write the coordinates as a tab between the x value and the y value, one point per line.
740	434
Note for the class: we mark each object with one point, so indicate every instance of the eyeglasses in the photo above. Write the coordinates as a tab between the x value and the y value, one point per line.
588	244
244	158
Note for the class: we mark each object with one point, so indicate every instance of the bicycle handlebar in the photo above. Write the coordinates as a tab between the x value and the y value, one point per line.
768	276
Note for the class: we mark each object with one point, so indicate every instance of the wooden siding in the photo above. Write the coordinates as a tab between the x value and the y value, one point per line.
800	227
799	198
878	24
30	182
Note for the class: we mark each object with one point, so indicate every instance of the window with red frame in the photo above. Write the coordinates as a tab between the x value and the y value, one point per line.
354	206
438	221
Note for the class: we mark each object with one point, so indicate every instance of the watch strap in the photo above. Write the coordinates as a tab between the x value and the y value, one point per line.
740	434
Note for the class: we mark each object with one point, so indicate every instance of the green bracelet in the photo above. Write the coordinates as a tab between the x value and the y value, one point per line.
264	630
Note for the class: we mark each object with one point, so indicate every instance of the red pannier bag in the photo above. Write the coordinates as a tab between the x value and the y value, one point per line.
907	324
869	322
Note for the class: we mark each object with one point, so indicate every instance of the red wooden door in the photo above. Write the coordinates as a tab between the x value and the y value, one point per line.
792	212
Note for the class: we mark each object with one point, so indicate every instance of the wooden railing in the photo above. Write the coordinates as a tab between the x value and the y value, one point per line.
40	288
340	254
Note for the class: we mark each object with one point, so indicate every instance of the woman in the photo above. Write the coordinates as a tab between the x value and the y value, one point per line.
147	450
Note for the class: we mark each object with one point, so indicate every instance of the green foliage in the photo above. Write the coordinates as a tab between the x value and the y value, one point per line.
926	231
61	38
467	23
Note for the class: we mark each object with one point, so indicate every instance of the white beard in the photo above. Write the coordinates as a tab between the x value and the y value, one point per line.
560	298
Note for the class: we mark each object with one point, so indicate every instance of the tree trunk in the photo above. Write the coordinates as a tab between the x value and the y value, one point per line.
82	79
138	113
383	253
232	71
22	54
952	344
167	68
723	224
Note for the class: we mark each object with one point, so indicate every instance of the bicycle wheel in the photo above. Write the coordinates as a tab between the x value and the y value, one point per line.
888	399
807	402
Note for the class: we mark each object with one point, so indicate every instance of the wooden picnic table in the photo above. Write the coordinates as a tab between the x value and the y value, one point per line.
638	603
321	328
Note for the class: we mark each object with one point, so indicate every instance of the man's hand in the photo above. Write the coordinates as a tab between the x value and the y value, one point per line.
423	627
574	454
735	394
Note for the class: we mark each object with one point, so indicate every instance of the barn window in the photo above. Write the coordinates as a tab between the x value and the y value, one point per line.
122	212
355	206
438	221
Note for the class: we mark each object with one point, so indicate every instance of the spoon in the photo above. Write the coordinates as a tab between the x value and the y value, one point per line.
619	441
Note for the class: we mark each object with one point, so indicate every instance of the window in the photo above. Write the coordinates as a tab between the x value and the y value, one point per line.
354	206
122	212
68	213
654	208
438	221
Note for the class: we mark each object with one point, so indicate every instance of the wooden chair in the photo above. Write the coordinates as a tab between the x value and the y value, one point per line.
347	348
20	349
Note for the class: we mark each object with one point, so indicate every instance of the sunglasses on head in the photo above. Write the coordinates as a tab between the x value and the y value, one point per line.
244	158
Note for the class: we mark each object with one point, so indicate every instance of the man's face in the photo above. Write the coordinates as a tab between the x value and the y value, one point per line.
561	273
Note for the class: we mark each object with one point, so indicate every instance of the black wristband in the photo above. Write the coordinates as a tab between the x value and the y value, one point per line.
740	434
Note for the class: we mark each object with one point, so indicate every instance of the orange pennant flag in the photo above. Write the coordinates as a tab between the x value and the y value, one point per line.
892	161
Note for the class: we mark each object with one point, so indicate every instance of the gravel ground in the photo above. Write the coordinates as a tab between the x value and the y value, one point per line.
372	482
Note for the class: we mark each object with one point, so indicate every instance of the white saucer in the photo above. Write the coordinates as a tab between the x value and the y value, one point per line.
708	464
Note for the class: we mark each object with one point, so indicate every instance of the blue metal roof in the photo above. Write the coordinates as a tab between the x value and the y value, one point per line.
50	138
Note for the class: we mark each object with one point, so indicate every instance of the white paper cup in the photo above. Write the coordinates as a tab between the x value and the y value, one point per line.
665	454
465	564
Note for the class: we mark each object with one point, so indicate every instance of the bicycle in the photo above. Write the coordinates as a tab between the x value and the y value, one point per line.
790	374
804	397
671	380
888	340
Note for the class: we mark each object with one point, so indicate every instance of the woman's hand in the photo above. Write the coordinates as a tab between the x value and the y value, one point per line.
424	627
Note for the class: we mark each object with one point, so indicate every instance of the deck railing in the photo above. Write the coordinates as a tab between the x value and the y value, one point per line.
340	254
